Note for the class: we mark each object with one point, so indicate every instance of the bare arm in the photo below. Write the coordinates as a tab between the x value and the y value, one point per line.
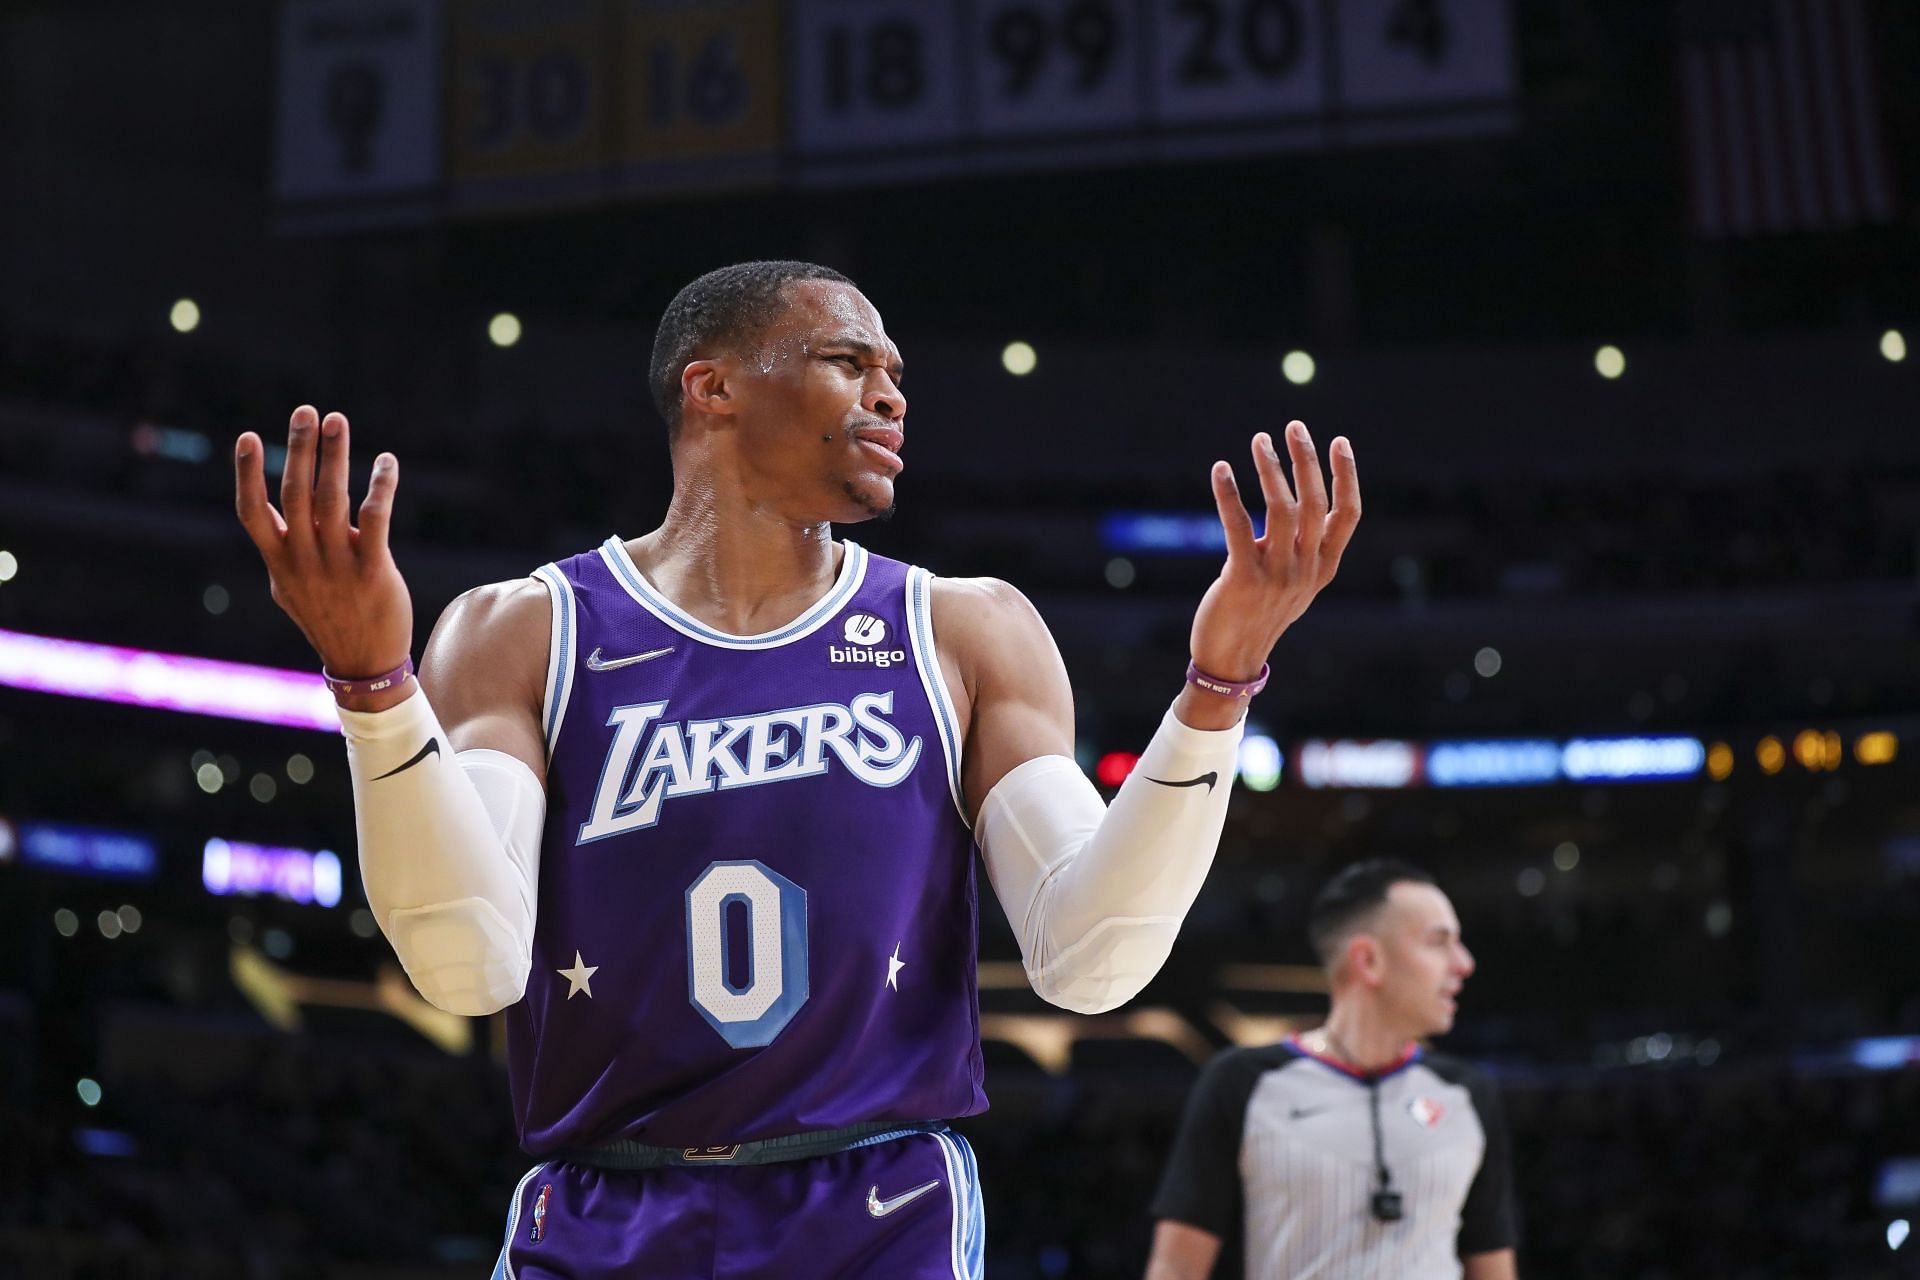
1496	1265
1181	1252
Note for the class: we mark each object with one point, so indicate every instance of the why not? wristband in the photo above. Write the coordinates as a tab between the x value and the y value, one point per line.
344	688
1228	688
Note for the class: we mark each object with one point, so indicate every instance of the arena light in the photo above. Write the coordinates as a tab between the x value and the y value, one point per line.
1610	362
1383	764
1719	761
1631	759
504	329
176	444
88	851
9	566
1165	532
1893	345
1114	767
1876	748
166	681
185	316
1260	762
1019	358
235	868
1297	367
1817	751
1510	762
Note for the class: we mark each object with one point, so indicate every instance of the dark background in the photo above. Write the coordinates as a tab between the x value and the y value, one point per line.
1721	544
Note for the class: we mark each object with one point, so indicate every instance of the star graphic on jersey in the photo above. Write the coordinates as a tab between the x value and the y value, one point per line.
894	965
577	977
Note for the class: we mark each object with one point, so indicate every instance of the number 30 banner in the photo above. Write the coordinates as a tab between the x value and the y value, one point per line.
554	100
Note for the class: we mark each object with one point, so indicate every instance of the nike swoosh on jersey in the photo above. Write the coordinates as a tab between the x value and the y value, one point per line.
596	663
1208	778
881	1208
431	749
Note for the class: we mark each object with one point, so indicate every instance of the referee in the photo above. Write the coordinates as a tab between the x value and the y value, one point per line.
1349	1152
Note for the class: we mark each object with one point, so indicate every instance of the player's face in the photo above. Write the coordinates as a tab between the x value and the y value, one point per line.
823	407
1426	961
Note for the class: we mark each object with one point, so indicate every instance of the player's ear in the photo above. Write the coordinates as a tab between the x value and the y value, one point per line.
707	387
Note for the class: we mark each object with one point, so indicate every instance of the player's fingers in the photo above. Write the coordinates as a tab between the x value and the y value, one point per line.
376	512
330	503
296	481
1311	486
1345	516
1233	513
1281	505
257	516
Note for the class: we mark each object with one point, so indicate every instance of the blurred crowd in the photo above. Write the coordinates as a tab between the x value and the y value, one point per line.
361	1160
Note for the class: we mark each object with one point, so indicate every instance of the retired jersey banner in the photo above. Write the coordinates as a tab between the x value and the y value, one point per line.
558	102
359	103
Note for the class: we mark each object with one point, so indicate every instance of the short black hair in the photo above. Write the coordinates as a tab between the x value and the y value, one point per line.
725	309
1354	893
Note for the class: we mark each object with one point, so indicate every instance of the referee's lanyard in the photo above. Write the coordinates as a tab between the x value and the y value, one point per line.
1386	1201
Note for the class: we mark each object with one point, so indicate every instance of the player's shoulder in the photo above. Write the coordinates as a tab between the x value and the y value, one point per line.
500	629
514	604
994	595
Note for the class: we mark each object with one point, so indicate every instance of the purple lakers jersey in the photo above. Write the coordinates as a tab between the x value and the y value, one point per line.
757	908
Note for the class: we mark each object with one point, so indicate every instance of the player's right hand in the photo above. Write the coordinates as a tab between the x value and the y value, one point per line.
337	582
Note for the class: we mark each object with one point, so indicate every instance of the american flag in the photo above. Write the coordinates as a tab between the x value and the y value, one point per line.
1782	117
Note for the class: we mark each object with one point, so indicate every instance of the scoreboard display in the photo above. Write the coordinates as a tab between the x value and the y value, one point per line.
467	105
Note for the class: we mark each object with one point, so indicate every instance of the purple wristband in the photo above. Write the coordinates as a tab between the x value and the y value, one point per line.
344	688
1227	688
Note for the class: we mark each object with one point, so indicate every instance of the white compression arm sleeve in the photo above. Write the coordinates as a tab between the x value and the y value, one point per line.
1097	894
449	854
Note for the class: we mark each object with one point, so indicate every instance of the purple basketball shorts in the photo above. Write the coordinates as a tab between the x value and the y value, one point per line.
904	1209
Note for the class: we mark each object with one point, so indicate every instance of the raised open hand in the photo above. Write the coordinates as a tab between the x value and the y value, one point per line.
337	582
1269	580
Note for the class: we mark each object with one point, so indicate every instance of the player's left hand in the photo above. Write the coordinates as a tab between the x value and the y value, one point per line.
1269	580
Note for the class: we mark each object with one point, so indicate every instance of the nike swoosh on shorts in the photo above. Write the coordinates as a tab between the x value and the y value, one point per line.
881	1208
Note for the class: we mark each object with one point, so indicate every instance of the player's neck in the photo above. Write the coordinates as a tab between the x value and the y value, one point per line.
1359	1037
734	564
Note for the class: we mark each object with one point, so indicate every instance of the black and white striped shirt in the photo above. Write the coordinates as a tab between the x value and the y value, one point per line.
1275	1154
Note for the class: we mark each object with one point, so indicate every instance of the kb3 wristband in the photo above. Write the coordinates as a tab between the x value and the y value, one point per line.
342	687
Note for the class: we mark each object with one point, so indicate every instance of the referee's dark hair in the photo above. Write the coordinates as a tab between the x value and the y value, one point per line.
1353	895
724	310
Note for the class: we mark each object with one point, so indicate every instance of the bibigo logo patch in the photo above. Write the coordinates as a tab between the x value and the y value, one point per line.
864	634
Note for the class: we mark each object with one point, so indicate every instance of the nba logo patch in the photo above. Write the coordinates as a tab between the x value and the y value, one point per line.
1426	1112
540	1214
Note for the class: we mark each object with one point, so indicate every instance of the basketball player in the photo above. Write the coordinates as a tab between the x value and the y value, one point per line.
1350	1150
697	808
